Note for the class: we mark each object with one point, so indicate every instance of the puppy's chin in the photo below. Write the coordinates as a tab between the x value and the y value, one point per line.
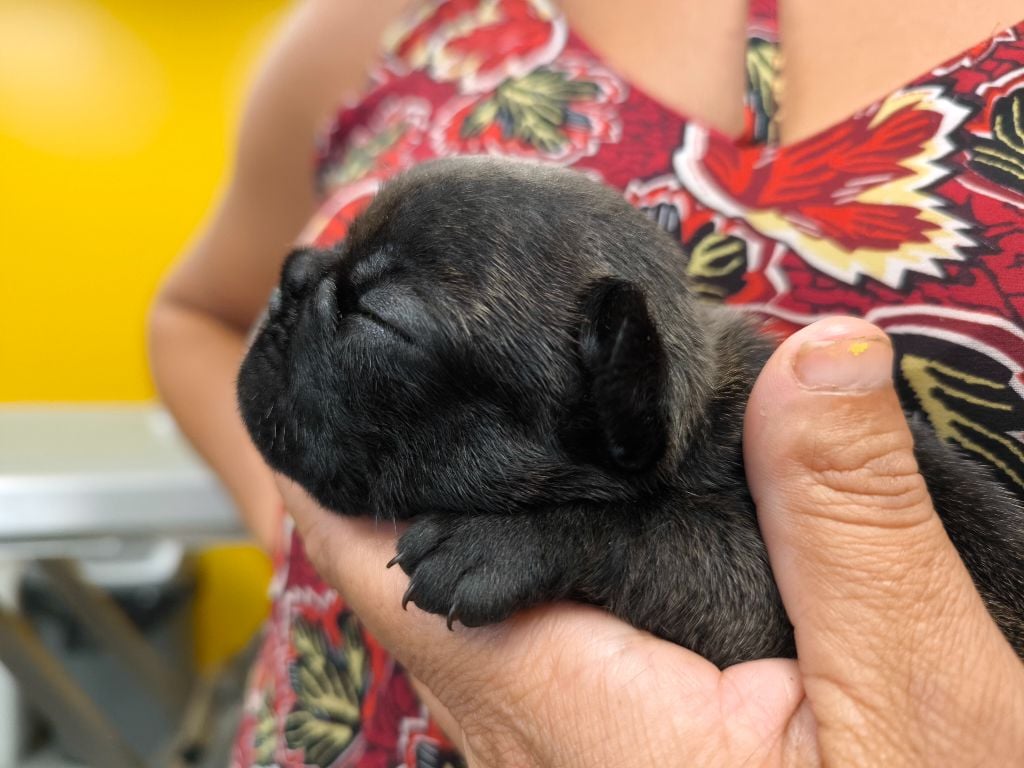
288	423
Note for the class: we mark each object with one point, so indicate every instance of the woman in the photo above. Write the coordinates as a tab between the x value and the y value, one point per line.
907	211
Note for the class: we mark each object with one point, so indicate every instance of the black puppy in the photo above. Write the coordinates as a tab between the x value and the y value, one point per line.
509	356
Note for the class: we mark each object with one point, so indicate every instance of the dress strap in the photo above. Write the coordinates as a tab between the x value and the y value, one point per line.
764	70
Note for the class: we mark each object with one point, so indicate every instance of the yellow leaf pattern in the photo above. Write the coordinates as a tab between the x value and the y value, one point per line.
360	159
533	109
716	263
1001	159
763	83
265	735
951	397
329	684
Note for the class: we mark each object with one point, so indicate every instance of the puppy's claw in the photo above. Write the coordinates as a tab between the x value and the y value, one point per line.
452	616
394	560
407	597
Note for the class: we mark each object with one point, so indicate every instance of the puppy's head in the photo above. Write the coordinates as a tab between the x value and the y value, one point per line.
490	335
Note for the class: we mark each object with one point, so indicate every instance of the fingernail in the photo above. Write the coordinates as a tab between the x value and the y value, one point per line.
844	365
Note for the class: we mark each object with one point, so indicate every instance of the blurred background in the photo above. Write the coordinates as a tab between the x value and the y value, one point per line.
116	119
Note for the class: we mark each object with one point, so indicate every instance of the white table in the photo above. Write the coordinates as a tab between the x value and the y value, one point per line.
87	473
84	482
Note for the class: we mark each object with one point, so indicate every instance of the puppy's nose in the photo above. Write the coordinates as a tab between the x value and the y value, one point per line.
302	269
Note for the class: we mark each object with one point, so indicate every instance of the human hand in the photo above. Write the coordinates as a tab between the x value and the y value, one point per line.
899	662
561	685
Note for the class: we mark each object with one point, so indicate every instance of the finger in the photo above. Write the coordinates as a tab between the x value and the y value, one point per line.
896	647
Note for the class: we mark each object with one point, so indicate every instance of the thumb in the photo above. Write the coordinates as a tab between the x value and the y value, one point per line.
898	653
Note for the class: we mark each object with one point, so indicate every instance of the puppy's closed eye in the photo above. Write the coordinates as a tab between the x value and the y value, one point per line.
371	268
393	307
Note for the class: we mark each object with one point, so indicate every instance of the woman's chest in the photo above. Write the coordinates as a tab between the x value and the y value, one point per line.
838	57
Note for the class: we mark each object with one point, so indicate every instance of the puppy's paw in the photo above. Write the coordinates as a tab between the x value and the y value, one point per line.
476	569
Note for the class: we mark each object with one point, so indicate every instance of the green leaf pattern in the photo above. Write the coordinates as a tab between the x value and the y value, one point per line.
534	109
1001	158
949	397
329	684
716	263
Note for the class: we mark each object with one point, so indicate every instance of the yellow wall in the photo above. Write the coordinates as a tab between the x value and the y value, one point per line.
116	121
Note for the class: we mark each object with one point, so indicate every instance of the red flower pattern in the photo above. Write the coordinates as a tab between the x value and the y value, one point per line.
478	43
853	200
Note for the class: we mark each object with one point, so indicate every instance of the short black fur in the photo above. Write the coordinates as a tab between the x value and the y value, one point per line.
508	356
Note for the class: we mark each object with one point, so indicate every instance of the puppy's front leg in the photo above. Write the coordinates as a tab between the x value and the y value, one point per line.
480	569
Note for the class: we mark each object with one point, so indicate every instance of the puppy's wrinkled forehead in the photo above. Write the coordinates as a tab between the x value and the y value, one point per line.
485	231
500	254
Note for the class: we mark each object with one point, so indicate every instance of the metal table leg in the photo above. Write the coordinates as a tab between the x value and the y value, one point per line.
108	625
53	693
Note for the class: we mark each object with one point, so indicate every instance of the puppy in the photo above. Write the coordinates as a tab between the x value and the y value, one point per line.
508	356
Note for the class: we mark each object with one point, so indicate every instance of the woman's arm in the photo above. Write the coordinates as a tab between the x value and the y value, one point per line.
199	320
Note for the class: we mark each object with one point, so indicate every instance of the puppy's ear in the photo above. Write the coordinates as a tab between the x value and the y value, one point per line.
625	371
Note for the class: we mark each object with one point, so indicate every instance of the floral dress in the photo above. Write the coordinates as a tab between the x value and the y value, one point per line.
909	212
